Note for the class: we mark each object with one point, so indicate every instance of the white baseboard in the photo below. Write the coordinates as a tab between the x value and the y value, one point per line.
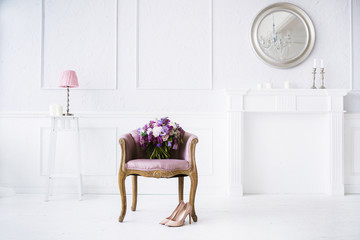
352	188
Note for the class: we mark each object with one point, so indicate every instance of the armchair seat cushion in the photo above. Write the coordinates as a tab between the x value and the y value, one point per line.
157	164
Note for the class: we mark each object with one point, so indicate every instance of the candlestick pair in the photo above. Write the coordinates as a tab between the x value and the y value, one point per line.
322	72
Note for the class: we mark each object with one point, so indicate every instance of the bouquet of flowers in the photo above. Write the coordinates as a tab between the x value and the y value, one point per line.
159	137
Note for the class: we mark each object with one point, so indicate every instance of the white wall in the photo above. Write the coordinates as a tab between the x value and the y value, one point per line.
138	59
233	62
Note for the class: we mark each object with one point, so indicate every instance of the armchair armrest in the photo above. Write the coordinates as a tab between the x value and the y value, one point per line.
188	149
128	149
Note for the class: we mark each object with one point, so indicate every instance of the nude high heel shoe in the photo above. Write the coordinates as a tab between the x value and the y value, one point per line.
179	206
180	217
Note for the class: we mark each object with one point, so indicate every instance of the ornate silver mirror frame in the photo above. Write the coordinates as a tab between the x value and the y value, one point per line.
282	35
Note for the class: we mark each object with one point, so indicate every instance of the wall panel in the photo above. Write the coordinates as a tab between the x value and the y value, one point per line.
174	44
80	35
98	151
352	153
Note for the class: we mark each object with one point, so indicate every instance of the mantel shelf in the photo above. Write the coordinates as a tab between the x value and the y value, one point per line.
279	91
286	100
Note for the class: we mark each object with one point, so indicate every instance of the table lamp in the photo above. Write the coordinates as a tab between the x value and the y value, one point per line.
68	80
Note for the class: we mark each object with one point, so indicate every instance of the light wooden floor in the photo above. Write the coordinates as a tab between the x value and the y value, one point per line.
278	217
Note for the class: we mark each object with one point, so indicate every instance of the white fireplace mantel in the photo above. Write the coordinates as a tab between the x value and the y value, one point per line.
328	101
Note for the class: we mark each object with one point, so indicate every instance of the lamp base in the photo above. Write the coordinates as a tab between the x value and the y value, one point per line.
68	114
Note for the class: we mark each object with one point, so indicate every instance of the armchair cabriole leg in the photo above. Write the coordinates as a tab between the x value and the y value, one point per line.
194	182
134	193
181	189
122	178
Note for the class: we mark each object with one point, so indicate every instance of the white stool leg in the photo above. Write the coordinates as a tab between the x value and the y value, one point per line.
80	185
51	159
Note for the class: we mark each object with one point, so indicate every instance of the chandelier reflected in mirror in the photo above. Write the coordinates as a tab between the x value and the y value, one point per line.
274	39
277	41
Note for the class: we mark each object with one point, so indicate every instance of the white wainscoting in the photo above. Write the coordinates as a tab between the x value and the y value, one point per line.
24	152
352	153
98	151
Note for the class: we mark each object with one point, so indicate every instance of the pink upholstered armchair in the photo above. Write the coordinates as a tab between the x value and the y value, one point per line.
135	162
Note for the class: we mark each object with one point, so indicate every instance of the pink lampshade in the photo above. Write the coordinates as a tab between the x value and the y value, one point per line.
68	79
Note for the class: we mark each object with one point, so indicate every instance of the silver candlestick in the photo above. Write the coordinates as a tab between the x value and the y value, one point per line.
322	78
314	76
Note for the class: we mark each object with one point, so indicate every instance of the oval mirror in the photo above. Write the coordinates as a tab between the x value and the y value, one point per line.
282	35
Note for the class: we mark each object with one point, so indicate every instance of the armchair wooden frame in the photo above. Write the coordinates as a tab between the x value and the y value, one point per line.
180	174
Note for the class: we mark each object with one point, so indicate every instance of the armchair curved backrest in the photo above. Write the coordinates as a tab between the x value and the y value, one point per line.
134	151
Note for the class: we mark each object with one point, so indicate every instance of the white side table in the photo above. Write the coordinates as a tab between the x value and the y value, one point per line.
63	123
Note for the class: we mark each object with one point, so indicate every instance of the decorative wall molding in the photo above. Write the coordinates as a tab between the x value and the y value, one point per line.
355	38
355	151
24	114
352	153
209	85
336	154
103	153
113	85
241	101
236	154
94	163
35	114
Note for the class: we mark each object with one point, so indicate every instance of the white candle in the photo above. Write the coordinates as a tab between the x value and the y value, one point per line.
287	85
322	63
55	110
59	110
268	85
52	109
259	85
314	63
